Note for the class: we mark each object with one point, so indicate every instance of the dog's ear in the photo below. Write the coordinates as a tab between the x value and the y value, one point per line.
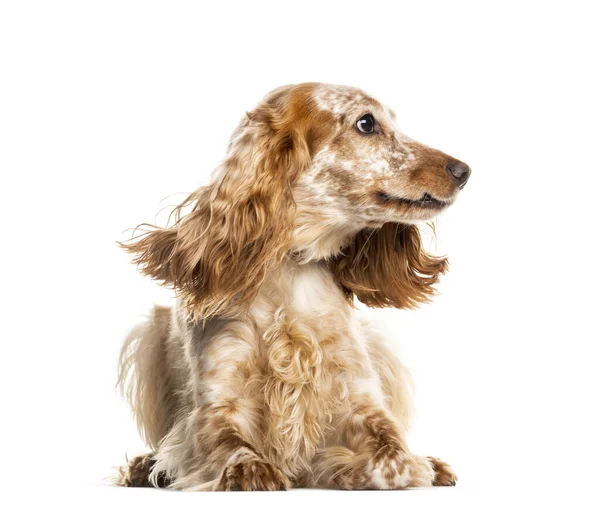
238	228
388	267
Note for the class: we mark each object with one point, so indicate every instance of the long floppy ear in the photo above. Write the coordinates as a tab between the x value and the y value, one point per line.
239	227
388	267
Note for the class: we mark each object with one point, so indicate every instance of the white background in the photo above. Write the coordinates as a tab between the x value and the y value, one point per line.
108	107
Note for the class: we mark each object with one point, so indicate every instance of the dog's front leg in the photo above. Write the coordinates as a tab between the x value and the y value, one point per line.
374	434
227	423
374	454
239	466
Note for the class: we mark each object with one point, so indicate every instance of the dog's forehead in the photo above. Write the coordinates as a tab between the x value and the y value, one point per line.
342	99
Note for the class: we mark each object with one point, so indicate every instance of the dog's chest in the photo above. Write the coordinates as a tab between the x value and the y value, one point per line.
309	346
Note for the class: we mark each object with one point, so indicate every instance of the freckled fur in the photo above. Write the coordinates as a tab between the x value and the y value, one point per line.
263	376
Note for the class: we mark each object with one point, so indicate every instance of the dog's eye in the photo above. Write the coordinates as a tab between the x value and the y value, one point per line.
366	124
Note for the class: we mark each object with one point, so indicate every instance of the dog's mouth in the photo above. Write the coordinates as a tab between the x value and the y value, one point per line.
426	201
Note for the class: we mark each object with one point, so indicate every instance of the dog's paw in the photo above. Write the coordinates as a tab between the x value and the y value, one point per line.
138	473
389	469
251	473
392	468
444	475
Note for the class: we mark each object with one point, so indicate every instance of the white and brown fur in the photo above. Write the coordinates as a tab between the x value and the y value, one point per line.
263	376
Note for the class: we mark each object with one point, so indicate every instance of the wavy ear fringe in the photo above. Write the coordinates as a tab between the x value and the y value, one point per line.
388	267
218	255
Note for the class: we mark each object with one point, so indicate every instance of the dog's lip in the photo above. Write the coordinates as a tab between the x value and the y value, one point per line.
426	201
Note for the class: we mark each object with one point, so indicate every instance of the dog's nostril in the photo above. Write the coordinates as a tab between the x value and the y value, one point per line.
460	172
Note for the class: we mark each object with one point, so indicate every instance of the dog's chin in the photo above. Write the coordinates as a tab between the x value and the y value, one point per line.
409	210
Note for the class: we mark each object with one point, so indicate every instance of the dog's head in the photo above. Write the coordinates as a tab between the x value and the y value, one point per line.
315	172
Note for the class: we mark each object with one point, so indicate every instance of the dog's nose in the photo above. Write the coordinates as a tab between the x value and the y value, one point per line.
459	171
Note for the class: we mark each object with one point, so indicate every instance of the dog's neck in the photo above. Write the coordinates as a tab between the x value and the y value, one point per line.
317	238
306	291
322	228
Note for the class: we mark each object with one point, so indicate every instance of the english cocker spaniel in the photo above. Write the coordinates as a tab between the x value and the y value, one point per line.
263	376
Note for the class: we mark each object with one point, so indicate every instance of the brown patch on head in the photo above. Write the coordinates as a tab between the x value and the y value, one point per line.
340	178
430	171
388	267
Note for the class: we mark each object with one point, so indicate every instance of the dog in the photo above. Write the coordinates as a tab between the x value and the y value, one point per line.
263	376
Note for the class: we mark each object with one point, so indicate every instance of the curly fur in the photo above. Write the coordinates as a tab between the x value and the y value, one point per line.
263	376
